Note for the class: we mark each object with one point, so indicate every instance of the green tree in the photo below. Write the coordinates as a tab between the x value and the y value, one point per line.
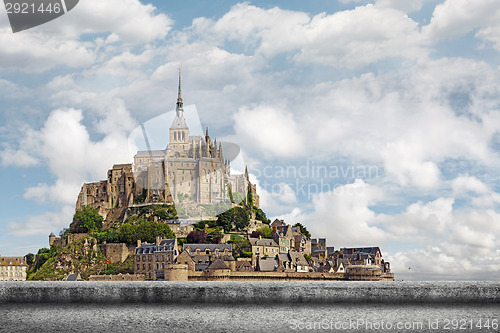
249	197
230	194
261	216
303	230
108	236
87	219
214	235
241	218
30	258
225	219
197	237
241	247
147	231
236	215
266	232
128	233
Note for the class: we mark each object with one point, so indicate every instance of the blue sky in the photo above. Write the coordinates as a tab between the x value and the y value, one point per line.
371	122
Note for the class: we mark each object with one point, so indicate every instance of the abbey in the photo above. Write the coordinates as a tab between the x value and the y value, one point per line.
191	169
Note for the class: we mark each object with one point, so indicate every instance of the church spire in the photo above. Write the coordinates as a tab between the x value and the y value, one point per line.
179	95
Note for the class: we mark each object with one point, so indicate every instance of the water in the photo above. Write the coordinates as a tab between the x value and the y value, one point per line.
283	315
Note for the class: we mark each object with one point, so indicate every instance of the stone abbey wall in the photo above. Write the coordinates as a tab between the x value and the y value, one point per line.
117	252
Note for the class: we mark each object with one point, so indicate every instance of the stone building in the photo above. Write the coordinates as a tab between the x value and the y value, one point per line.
199	257
118	191
367	254
151	259
263	247
65	239
284	237
191	169
13	268
180	228
319	250
293	262
301	242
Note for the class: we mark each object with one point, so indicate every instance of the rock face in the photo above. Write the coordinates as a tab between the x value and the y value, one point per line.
82	256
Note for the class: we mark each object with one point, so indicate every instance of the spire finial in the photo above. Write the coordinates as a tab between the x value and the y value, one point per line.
179	95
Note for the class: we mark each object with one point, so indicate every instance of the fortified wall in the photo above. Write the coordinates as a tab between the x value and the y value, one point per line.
180	272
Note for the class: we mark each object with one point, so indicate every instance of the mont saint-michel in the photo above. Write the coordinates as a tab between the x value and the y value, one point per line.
182	214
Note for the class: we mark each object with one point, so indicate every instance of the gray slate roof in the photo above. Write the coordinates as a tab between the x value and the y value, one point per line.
298	258
217	264
72	277
211	247
262	242
166	245
179	122
369	250
268	264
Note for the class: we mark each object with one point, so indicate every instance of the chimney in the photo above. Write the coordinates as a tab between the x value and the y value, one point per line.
158	240
138	243
260	237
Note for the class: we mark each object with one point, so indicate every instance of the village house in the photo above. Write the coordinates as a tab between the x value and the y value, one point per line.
181	228
293	262
13	268
301	242
199	257
243	266
151	259
366	254
282	235
263	247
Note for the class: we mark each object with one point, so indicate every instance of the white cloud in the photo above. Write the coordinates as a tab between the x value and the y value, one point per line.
406	6
455	18
402	162
130	21
60	42
65	146
343	216
17	158
465	183
272	131
37	52
43	224
420	219
360	37
352	38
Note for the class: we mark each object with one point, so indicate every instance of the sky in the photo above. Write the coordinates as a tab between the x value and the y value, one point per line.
373	123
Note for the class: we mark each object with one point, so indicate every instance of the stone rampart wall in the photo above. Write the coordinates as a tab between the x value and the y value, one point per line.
118	277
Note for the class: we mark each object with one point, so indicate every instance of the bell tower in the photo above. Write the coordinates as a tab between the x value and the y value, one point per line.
179	132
